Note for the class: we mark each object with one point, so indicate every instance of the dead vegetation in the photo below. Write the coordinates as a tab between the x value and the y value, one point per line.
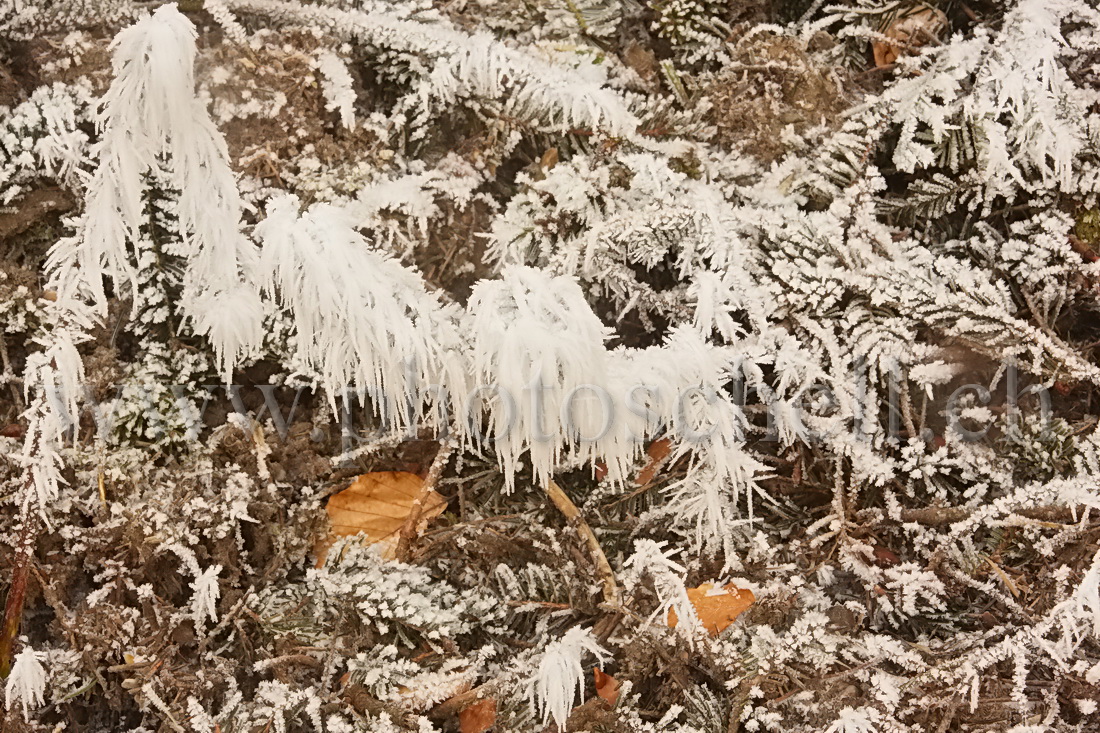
109	582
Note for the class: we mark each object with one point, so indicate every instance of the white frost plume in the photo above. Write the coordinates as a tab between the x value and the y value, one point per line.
362	318
336	85
204	602
152	118
539	354
857	720
650	559
26	681
559	679
1088	595
681	388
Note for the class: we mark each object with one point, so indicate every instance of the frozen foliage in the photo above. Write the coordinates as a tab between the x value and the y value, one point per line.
205	600
42	139
26	682
651	561
541	348
28	19
448	65
390	597
337	85
855	373
559	679
150	114
361	319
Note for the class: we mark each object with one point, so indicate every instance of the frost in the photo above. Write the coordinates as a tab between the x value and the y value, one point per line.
206	594
856	720
27	680
151	113
337	85
503	244
560	676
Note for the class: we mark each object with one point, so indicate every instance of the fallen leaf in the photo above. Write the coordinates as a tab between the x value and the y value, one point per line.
657	451
907	33
885	557
382	505
717	608
549	159
642	60
14	430
1082	248
478	717
607	686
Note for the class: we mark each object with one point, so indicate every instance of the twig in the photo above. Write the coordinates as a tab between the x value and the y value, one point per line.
805	17
939	516
17	591
410	530
566	506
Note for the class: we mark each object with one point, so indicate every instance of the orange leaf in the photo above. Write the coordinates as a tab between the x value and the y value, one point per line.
884	53
478	717
607	686
908	32
717	608
549	159
657	451
382	505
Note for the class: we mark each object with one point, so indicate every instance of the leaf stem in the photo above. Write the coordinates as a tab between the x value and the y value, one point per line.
566	506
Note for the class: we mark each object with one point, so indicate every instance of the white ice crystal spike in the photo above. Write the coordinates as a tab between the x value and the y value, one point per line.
151	116
204	601
53	383
539	356
857	720
363	320
26	681
559	680
336	84
651	560
680	389
556	393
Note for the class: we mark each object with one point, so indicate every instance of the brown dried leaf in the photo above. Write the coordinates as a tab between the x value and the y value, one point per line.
478	717
549	159
717	608
885	557
657	451
15	430
909	32
607	686
642	60
382	505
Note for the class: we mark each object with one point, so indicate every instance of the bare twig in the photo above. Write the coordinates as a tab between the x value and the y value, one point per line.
939	516
17	591
566	506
